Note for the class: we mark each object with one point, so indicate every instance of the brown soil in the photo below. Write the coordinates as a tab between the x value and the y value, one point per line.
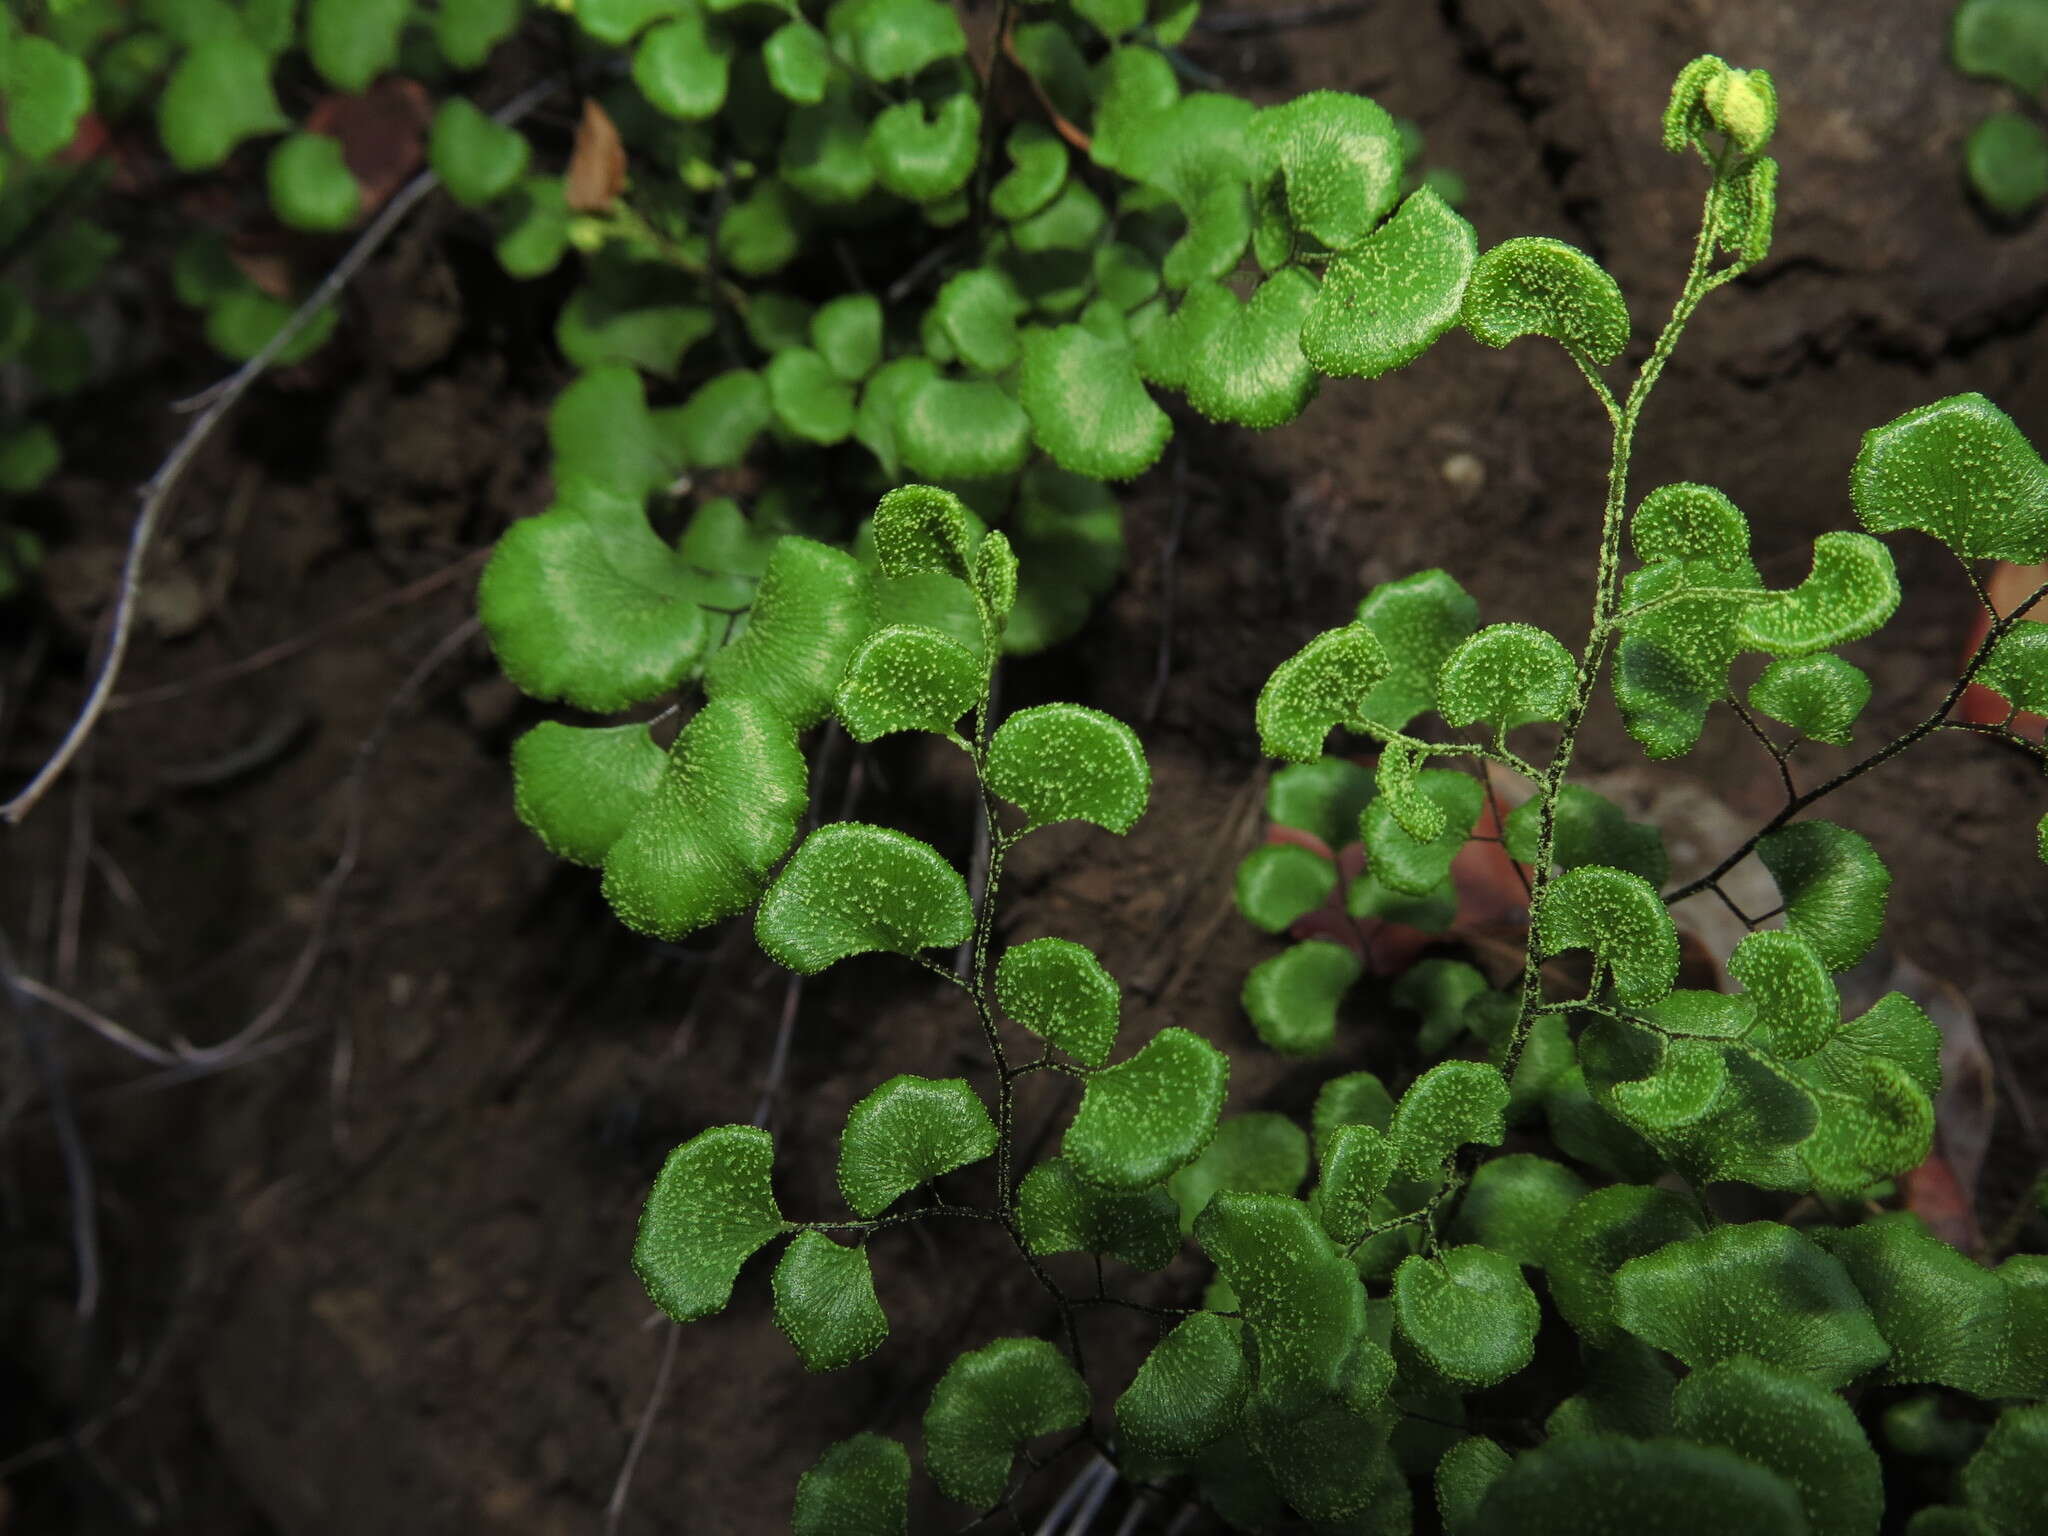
375	1279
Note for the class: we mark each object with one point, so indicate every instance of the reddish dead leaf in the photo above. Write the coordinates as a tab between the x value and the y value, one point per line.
2007	588
597	165
1963	1110
1933	1193
268	270
90	141
382	134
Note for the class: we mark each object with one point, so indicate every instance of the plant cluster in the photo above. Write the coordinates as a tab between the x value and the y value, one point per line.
2006	155
1618	1256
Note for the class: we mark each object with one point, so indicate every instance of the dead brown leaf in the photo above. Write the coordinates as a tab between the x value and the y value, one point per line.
597	165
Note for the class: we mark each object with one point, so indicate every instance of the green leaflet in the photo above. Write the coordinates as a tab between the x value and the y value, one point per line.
1038	169
957	429
1341	159
1059	991
1586	1132
1256	1153
825	1302
684	66
1674	656
1070	547
1453	1103
1797	1006
1790	1426
2017	668
761	233
1299	1296
925	158
859	1487
908	1132
1357	1162
1333	1463
895	39
1467	1470
1292	997
1325	798
620	21
586	604
1590	829
534	227
1058	1213
1405	863
352	41
725	809
477	160
1760	1289
851	889
808	397
907	678
1602	1232
1324	684
798	61
718	423
310	185
1384	302
1752	1130
1356	1098
1146	1117
604	438
988	1404
1542	287
1620	918
576	787
1468	1312
1603	1482
1418	622
726	551
1189	1392
48	91
1072	221
1507	675
1853	589
1066	762
813	607
1818	696
824	150
1959	471
2003	40
995	575
1112	18
1948	1320
1834	887
1627	1391
1278	882
1087	406
1437	990
710	1209
2005	1480
847	334
977	311
2006	156
1689	522
218	95
1513	1205
1132	85
1242	362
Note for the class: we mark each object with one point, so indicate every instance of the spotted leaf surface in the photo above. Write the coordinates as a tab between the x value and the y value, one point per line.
1357	1162
1144	1118
1190	1391
1462	1477
1834	885
1453	1103
906	1133
1819	696
1620	918
577	787
2005	1482
851	889
1610	1482
1385	301
813	607
1534	286
1959	471
1066	762
1507	675
1087	405
1418	621
1059	991
723	812
1258	1153
1241	361
1298	1294
907	678
990	1402
1853	589
1514	1204
1058	1213
1758	1289
1791	1426
1340	158
1685	521
1589	829
1677	646
859	1487
1292	997
1603	1231
710	1210
1405	863
2017	668
1323	684
825	1302
1468	1312
922	530
1797	1006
